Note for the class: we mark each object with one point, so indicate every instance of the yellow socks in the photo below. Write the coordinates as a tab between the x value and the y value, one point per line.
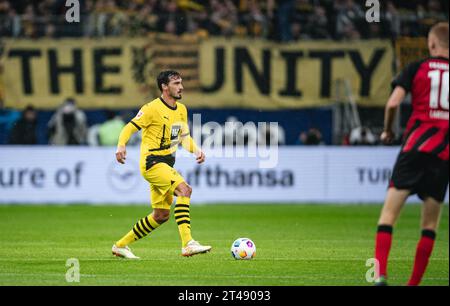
146	225
183	219
141	229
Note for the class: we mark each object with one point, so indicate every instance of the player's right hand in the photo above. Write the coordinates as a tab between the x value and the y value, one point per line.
121	154
387	137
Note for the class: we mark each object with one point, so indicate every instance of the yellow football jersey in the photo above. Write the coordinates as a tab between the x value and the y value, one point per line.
163	128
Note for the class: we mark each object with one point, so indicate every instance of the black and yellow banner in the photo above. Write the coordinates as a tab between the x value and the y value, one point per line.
113	73
97	73
121	73
264	75
410	49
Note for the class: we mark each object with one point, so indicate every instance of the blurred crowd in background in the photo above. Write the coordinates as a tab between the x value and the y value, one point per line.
280	20
277	20
70	125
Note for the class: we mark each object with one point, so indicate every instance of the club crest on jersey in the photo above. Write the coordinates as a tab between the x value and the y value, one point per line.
139	115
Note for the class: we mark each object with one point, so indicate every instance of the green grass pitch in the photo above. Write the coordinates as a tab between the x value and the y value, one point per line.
296	245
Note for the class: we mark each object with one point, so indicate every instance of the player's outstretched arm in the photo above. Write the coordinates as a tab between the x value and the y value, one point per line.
397	97
127	131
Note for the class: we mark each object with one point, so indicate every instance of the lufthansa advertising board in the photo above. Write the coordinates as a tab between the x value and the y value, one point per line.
295	175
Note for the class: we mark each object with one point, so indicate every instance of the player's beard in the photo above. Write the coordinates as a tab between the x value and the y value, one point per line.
176	97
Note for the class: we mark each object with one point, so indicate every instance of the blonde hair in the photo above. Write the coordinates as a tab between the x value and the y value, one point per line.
440	31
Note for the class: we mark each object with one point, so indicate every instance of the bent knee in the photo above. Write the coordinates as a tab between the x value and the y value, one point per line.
188	191
161	220
185	191
161	217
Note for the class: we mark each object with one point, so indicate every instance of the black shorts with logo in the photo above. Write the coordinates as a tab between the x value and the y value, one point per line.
424	174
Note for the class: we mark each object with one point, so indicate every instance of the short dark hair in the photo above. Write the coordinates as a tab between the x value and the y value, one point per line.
29	108
165	76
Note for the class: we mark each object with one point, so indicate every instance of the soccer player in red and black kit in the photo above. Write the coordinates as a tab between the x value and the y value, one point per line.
422	165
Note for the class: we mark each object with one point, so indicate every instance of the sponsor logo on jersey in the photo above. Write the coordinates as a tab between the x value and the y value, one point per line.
139	115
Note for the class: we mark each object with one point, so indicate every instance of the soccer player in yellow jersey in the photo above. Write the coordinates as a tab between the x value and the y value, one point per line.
164	126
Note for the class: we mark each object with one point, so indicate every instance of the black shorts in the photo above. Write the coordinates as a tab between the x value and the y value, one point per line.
424	174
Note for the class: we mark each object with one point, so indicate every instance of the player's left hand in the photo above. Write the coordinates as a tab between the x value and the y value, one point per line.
121	154
387	137
201	157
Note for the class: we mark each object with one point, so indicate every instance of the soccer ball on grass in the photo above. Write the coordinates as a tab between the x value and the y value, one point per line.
243	248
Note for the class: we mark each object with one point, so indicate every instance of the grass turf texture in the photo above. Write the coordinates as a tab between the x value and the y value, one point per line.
296	245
